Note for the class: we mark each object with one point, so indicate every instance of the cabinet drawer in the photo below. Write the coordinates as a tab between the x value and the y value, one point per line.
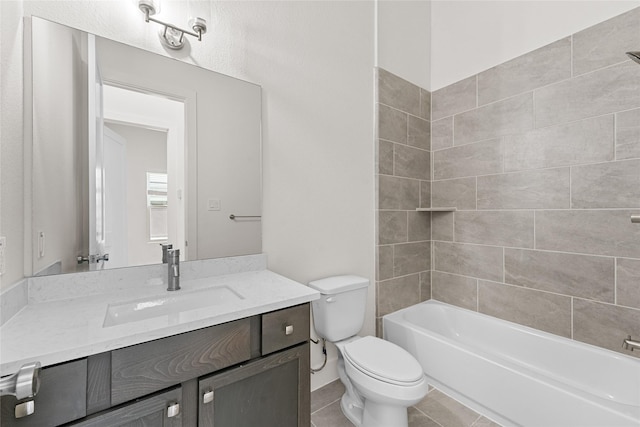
284	328
162	410
62	397
272	391
149	367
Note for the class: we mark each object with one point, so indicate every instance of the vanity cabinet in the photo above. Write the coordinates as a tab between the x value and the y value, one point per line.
271	391
162	410
251	371
62	397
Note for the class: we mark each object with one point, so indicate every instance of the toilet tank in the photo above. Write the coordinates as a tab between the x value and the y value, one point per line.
339	313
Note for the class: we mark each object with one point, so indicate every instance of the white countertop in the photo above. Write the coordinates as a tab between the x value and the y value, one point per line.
56	331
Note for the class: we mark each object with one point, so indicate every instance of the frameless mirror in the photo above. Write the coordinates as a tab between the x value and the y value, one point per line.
131	150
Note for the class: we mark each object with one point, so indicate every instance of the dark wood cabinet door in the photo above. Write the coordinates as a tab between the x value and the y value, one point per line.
62	397
155	411
272	391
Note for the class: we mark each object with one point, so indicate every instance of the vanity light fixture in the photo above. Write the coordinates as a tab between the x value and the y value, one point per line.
172	36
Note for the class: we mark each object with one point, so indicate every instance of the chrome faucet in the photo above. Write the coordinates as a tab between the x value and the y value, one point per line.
173	263
165	248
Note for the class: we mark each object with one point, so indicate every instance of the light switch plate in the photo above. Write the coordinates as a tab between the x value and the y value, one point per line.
214	204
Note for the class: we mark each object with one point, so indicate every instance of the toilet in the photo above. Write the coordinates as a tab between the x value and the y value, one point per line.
381	379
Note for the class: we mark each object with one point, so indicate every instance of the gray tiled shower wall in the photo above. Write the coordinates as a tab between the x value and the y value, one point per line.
403	178
541	156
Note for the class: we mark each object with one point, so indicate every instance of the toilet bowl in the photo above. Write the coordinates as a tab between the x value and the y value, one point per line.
381	379
385	377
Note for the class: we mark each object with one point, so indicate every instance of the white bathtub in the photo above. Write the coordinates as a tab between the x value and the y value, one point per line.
517	375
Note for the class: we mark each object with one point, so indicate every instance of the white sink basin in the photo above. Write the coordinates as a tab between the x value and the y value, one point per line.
170	304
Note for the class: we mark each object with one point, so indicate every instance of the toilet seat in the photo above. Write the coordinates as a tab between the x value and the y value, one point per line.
383	361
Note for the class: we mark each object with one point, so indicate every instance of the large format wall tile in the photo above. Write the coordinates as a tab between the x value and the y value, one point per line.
398	293
419	226
442	133
481	158
398	93
411	258
419	133
425	104
541	189
605	325
500	228
403	252
506	117
454	99
442	226
541	67
458	193
628	134
411	162
425	194
457	290
540	310
392	227
586	141
583	276
609	90
425	285
604	44
628	282
398	193
606	185
598	232
385	262
385	157
392	124
484	262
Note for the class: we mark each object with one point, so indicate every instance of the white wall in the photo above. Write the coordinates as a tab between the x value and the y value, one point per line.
314	61
11	158
404	39
471	36
146	152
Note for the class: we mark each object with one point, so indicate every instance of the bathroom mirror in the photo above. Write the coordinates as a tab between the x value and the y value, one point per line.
131	150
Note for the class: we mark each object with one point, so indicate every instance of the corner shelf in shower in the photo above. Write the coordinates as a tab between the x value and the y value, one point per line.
436	209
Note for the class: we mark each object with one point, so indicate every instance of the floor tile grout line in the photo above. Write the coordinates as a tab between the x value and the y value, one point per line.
326	406
426	415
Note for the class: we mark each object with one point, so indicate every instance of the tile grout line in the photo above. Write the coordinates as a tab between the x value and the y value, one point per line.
534	231
535	129
570	187
325	406
615	137
572	298
425	414
571	58
617	64
615	281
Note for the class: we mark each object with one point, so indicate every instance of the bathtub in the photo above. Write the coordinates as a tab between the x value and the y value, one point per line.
515	375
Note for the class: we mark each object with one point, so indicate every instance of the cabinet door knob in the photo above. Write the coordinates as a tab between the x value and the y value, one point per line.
25	409
288	329
173	410
207	397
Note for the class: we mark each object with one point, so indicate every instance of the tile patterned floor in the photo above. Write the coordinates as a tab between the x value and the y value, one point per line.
435	410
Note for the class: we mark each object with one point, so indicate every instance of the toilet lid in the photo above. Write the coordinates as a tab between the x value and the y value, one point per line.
383	360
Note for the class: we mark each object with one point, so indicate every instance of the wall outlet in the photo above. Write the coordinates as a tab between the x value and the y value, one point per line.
3	246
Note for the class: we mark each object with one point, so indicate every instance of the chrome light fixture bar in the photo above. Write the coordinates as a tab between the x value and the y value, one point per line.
172	36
